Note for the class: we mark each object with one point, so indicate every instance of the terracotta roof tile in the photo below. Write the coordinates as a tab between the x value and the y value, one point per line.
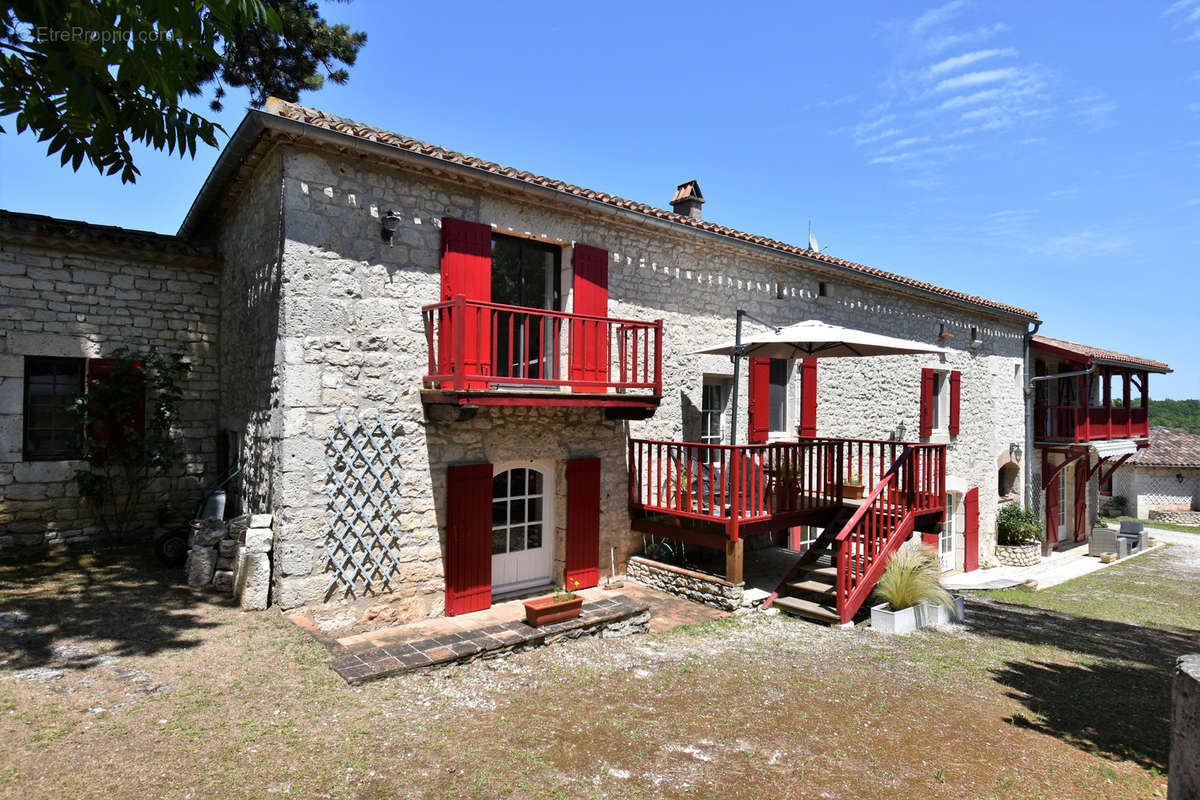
312	116
1169	447
1087	353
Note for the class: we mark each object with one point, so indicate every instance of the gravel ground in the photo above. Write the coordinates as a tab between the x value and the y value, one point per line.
117	680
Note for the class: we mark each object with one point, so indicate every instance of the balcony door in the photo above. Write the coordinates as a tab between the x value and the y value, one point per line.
525	273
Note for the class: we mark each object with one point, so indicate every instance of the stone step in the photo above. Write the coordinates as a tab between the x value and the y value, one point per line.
809	609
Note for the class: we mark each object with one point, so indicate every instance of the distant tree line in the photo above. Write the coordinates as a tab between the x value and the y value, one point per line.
1176	414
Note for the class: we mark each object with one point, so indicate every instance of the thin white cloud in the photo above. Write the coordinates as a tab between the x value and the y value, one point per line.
1081	244
980	78
1186	14
967	59
936	16
866	127
976	36
1064	193
890	132
970	99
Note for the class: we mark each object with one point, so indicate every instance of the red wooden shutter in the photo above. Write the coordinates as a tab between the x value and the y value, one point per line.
468	538
109	428
955	392
589	346
760	400
583	523
927	383
808	398
467	270
1081	493
1051	489
971	531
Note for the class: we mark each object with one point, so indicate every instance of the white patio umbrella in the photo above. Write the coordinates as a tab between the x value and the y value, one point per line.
815	339
810	339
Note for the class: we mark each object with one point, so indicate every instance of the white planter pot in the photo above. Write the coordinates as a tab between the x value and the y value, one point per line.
907	620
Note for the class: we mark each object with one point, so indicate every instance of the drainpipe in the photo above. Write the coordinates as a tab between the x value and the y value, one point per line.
1028	470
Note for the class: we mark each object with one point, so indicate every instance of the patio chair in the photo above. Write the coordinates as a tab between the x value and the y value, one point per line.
1135	531
1105	540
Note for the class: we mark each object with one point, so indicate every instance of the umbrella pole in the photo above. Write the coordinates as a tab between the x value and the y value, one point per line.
737	362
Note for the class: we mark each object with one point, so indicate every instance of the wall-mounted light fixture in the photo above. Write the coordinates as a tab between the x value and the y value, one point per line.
943	333
388	226
1014	450
1179	477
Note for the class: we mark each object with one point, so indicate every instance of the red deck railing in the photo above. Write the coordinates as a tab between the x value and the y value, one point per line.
746	484
1077	424
914	485
475	345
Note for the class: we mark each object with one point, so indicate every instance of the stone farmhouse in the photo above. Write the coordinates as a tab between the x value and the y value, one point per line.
450	380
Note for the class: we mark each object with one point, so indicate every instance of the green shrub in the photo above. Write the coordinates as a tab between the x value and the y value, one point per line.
910	578
1016	525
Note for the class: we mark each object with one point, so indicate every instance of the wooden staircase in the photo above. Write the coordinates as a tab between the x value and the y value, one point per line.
835	576
810	590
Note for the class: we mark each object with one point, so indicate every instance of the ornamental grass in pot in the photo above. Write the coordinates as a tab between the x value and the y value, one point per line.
911	594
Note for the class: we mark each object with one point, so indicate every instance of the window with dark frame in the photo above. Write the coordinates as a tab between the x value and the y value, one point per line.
779	381
51	387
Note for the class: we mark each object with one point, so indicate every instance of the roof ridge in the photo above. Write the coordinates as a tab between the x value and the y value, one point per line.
332	122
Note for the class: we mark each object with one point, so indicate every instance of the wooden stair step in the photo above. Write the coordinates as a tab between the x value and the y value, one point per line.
815	585
813	569
807	608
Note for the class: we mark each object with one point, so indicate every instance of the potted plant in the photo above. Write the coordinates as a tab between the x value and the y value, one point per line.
1019	536
558	607
852	487
787	487
911	595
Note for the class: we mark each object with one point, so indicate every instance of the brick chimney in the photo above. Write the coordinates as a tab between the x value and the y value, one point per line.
688	199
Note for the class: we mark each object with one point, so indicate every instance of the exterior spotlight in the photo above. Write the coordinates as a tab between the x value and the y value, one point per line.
388	225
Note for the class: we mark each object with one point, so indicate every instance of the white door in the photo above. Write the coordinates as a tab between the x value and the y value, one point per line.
522	527
946	538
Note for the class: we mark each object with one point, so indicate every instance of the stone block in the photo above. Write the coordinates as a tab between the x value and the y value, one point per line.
293	592
207	532
255	581
259	540
1184	777
225	564
201	562
223	580
260	521
227	548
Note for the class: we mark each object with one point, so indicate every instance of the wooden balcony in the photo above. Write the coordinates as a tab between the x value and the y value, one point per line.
1076	424
491	354
747	489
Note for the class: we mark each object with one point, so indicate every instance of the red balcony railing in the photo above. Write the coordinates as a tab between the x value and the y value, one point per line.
1077	425
478	346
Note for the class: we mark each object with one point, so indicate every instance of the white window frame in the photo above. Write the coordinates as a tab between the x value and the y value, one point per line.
724	385
941	403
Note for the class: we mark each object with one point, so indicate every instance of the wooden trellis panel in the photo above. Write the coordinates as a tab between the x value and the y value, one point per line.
363	487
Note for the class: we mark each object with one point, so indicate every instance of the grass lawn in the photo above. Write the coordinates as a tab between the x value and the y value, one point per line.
1153	523
118	681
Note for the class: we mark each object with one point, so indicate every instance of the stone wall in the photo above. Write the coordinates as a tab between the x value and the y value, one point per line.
351	341
250	242
708	590
61	302
1146	488
1183	780
1176	517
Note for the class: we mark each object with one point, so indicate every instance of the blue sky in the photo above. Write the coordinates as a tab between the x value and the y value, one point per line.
1042	154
